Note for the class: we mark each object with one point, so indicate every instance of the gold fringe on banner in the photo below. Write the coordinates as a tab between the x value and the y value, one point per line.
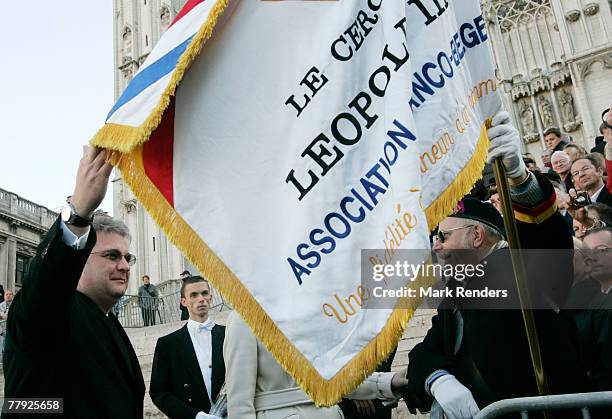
123	137
462	185
127	144
323	392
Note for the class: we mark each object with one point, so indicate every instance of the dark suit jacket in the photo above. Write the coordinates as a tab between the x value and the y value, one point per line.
60	344
605	197
177	386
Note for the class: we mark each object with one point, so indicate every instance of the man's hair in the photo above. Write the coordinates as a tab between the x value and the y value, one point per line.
593	158
103	223
553	130
146	276
598	230
493	235
603	210
192	280
560	153
581	150
558	185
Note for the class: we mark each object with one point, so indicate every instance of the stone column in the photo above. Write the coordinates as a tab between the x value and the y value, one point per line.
536	111
582	105
11	263
141	237
3	262
555	104
566	39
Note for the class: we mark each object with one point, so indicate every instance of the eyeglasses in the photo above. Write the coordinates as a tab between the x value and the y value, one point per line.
583	170
115	256
443	235
559	162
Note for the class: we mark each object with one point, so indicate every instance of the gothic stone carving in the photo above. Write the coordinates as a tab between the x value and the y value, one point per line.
571	122
572	15
520	90
560	74
165	16
126	37
546	112
527	119
130	205
127	72
520	87
591	9
585	69
567	105
539	82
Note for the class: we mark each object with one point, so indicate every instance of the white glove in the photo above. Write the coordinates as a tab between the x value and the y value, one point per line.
506	143
202	415
454	398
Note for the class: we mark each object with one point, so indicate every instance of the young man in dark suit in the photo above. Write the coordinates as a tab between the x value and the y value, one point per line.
63	341
188	367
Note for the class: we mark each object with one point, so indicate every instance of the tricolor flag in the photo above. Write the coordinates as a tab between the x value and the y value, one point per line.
274	140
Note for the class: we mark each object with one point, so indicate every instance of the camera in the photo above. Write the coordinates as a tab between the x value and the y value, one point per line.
582	199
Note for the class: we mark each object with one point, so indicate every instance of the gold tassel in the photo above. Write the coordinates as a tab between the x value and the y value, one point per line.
124	138
444	204
323	392
127	142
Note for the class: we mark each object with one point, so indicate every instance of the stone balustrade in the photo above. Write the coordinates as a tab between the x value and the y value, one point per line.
22	209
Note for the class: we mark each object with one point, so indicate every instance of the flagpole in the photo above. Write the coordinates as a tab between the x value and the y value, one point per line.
520	275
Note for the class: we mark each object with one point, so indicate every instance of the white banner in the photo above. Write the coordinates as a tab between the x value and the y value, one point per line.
302	133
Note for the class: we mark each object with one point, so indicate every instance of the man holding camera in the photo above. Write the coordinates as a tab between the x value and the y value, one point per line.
587	175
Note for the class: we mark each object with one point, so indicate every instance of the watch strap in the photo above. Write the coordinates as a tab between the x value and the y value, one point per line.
75	219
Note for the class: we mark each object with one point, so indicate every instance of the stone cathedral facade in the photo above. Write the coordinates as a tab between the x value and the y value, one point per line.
553	63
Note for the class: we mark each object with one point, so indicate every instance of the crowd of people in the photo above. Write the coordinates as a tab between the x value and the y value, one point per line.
469	358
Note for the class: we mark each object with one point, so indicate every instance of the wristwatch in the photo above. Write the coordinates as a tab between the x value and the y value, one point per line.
70	216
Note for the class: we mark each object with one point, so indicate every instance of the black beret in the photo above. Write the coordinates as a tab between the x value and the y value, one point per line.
474	209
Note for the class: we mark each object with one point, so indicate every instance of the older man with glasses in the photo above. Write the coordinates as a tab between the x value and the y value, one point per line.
561	164
476	351
63	341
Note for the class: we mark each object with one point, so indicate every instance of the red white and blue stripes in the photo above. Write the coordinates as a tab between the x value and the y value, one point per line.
144	92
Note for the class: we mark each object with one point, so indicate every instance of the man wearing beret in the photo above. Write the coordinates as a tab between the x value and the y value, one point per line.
471	356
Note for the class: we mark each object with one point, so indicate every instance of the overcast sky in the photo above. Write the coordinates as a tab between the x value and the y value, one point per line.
57	87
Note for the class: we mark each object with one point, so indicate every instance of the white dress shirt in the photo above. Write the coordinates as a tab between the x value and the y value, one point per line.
201	338
71	239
